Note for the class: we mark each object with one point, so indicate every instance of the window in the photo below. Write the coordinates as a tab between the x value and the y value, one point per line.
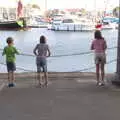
67	21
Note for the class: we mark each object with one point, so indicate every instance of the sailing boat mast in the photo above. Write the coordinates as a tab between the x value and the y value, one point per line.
45	10
45	5
19	9
95	12
105	9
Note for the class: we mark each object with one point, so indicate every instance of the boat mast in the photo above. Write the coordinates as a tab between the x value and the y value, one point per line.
45	8
7	11
95	11
19	9
105	9
16	9
45	5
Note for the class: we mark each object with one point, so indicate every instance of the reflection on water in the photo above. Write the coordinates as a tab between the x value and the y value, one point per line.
60	43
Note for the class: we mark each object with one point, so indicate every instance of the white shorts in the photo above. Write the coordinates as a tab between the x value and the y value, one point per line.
100	58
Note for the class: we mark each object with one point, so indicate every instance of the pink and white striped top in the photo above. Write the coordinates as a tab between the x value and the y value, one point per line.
99	45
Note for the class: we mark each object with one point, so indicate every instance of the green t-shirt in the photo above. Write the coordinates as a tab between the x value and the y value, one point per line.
10	52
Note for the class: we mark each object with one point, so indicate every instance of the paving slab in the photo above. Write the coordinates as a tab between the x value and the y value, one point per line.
63	99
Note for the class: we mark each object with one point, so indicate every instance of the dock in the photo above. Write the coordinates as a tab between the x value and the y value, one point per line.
68	96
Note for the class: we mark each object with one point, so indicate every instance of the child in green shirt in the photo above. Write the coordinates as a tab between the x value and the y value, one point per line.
10	52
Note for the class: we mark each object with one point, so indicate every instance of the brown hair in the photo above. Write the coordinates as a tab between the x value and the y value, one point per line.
98	35
9	40
42	39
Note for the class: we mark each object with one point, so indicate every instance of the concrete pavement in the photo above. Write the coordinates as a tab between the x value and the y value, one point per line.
63	99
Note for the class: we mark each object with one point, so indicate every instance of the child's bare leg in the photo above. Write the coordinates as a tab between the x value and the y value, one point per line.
46	78
97	73
12	77
39	77
102	73
9	77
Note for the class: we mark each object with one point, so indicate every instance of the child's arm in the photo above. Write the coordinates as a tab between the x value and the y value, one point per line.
4	51
35	49
105	45
49	53
92	46
16	51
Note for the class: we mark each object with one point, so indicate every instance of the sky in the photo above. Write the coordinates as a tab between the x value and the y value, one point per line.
61	4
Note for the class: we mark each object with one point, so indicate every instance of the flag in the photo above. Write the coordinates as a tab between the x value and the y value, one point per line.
19	9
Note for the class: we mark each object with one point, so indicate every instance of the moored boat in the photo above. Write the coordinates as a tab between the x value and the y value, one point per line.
17	24
13	25
73	24
109	23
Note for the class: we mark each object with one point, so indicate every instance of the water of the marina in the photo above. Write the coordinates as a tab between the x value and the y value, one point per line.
60	43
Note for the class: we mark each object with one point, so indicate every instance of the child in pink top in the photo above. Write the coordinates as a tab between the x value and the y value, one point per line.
99	46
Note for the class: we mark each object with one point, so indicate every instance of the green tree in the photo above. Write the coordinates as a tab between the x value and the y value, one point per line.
83	11
116	11
35	6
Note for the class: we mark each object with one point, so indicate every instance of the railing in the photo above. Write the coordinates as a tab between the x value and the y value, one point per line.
64	55
2	82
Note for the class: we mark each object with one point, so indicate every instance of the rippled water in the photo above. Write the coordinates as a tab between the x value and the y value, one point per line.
60	43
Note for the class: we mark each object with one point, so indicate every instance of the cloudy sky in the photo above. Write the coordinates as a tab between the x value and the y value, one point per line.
89	4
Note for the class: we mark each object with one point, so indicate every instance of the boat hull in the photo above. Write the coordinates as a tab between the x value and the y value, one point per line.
73	27
12	25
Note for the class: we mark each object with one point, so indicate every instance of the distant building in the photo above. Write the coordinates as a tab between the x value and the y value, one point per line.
11	13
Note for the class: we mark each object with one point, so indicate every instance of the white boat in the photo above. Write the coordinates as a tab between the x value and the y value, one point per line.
109	23
33	23
57	21
73	24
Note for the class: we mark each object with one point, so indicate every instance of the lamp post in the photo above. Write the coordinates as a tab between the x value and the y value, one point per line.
118	50
116	81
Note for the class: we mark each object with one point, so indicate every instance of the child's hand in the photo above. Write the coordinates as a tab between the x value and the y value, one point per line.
2	54
48	55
